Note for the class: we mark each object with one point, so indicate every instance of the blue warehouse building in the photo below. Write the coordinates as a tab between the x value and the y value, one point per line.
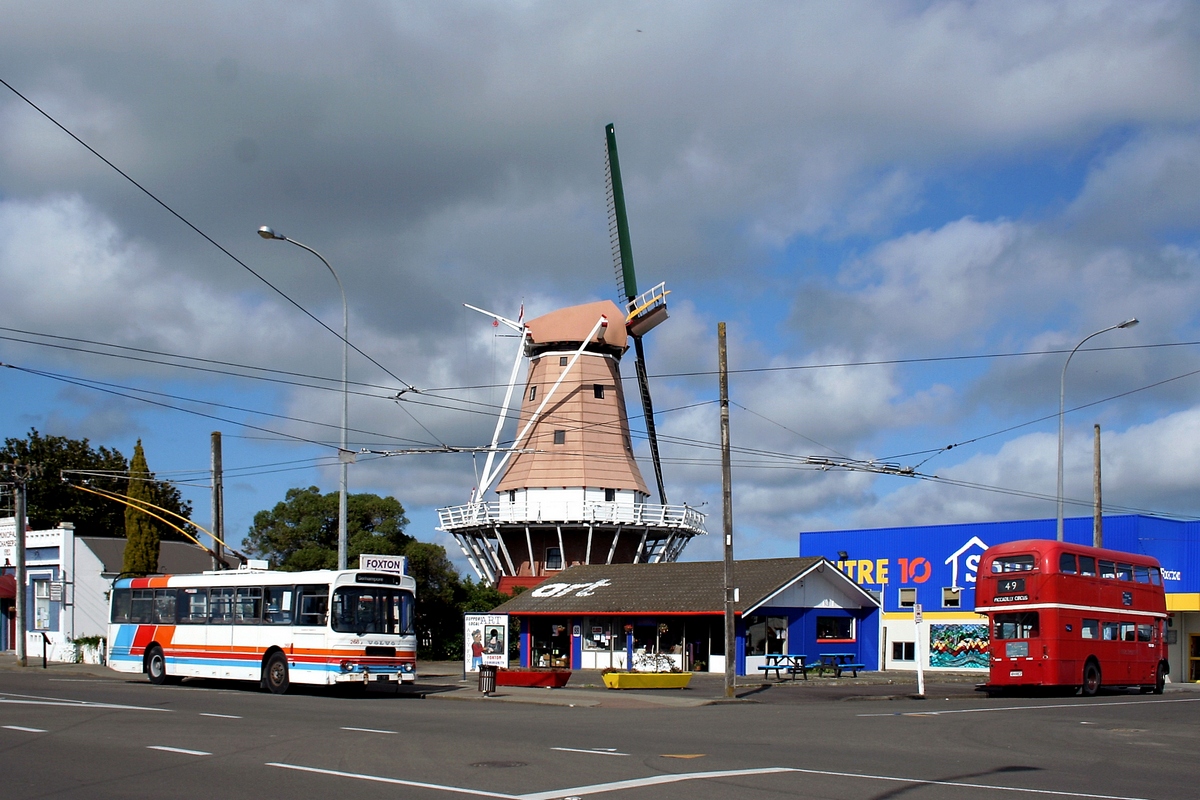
935	566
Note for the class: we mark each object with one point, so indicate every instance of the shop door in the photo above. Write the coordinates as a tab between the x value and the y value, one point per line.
1193	666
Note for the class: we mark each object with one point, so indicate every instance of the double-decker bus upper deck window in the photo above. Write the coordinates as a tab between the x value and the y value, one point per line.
221	603
1141	574
1108	569
312	603
1155	576
193	606
1066	564
1087	566
120	605
1021	563
1022	625
277	605
247	607
1125	572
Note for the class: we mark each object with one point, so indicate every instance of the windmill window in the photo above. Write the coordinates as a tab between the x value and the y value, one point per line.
512	495
560	437
610	495
598	390
562	361
532	393
553	558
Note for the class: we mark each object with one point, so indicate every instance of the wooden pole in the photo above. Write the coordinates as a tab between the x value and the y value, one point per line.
218	502
727	512
1098	521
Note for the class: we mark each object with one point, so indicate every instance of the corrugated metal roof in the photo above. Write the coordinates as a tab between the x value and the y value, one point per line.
681	587
174	558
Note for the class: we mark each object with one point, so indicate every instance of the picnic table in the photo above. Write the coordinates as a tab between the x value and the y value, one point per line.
838	663
791	663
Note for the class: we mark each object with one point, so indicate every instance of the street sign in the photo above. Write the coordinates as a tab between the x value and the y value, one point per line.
917	613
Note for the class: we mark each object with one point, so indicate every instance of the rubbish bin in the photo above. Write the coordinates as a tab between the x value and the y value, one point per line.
487	679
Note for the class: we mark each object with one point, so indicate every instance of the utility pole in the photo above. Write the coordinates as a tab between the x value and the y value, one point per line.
20	474
1098	522
727	512
218	502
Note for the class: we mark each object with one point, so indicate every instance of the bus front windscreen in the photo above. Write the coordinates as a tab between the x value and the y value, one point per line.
374	609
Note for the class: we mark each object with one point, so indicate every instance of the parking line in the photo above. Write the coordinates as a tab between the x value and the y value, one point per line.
220	716
598	751
1026	708
371	730
26	730
177	750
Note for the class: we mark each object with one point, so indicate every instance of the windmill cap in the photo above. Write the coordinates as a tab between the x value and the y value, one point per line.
574	323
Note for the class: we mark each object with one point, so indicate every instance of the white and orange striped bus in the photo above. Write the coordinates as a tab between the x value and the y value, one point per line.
319	627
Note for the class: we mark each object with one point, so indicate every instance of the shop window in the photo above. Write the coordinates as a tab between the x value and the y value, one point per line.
904	651
836	628
41	605
952	597
560	437
598	391
554	560
765	635
908	598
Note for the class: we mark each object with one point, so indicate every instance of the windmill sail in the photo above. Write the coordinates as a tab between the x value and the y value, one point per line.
643	311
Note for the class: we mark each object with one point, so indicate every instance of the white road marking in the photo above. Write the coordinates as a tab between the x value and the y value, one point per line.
36	700
26	730
220	716
596	751
370	730
177	750
658	780
1026	708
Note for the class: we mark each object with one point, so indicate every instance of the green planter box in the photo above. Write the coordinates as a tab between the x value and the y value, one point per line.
647	680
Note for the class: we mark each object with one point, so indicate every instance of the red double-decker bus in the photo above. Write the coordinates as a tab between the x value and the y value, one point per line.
1064	614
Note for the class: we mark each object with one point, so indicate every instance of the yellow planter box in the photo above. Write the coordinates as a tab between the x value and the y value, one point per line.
647	680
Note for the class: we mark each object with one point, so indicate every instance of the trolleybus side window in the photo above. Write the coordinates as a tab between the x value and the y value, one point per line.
120	605
1087	566
1108	569
1021	563
164	606
277	605
312	603
193	605
1066	564
142	608
248	605
1090	629
221	601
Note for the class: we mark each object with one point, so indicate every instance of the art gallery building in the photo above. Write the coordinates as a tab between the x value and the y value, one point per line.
935	566
651	615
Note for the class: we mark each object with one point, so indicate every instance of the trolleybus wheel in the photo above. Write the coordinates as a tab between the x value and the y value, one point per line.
156	666
1160	679
275	674
1091	679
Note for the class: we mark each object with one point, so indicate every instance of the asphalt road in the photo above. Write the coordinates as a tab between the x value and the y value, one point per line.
98	737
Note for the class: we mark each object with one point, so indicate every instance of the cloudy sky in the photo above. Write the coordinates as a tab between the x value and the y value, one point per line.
906	213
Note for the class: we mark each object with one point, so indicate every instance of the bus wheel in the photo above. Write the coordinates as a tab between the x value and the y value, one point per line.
156	666
1091	679
1160	679
275	674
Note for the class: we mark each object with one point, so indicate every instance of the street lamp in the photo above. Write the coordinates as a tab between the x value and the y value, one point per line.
1062	391
343	454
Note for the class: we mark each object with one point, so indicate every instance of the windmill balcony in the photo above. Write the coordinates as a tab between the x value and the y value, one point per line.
650	515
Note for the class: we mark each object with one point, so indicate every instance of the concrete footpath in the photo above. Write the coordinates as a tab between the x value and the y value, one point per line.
445	681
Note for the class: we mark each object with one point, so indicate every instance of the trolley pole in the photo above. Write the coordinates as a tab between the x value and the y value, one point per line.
727	512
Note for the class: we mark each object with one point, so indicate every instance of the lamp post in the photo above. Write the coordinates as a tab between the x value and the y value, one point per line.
266	233
1062	391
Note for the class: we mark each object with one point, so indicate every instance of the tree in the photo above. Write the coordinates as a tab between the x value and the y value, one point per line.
301	532
142	532
440	595
51	500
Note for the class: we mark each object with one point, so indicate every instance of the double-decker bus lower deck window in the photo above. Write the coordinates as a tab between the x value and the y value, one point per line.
1090	629
1023	625
372	610
1145	633
1020	563
1111	631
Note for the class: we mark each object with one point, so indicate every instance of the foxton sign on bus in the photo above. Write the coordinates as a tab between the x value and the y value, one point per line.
383	563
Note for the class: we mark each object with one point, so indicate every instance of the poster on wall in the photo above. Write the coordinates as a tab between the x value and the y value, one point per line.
958	646
485	641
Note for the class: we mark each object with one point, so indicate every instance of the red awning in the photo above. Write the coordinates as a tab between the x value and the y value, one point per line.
8	587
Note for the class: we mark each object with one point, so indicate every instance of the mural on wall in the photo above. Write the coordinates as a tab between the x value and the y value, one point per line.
958	646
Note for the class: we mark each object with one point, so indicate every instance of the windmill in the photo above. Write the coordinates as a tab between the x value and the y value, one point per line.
643	312
568	488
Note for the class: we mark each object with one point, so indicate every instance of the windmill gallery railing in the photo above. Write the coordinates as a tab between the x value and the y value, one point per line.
474	515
